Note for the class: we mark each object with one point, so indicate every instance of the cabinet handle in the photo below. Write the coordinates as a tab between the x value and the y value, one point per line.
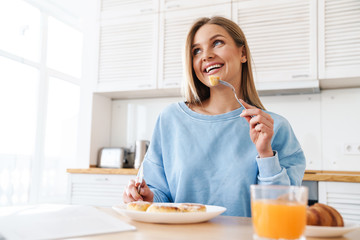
102	179
300	76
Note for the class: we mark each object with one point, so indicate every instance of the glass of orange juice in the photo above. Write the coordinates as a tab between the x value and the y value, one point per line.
278	212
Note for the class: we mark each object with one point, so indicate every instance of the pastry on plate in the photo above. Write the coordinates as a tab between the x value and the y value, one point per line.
163	207
138	206
323	215
192	207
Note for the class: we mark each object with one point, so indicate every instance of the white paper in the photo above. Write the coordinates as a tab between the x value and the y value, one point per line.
56	222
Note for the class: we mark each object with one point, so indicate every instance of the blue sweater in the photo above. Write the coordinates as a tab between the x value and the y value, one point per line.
210	159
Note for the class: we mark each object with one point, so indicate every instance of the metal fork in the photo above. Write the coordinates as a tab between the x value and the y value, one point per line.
140	176
233	89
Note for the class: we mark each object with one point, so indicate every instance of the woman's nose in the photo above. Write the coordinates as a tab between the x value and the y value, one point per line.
208	54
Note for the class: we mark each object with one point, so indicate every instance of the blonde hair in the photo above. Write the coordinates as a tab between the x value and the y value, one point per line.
194	90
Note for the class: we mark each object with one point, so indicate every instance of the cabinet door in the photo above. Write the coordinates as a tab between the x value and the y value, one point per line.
127	54
345	197
121	8
168	5
339	39
282	39
174	26
97	189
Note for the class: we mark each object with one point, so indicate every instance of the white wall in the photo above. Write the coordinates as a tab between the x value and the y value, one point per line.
323	123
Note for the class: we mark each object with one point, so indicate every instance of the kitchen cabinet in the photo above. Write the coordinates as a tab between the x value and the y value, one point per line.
97	189
174	5
345	197
127	52
339	42
144	52
282	38
293	44
127	8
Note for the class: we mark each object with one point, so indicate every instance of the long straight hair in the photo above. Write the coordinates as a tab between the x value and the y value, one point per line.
194	90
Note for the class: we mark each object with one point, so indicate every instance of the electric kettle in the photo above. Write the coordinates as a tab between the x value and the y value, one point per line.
141	147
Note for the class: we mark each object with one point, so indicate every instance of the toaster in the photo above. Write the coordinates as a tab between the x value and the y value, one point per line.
115	157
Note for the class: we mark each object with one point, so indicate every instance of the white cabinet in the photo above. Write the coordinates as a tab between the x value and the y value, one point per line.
345	197
294	44
282	38
174	26
126	8
169	5
339	39
128	47
103	190
144	51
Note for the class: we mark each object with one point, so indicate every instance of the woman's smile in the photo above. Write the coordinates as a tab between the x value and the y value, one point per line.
212	68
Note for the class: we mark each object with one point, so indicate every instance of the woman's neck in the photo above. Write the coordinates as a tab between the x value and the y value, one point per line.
221	100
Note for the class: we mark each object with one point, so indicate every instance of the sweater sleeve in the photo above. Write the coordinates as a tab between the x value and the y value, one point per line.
287	166
154	173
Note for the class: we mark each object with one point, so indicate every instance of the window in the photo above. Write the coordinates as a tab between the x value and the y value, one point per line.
41	63
20	29
18	104
60	139
63	42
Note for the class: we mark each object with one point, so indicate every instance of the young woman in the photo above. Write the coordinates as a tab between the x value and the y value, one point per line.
209	149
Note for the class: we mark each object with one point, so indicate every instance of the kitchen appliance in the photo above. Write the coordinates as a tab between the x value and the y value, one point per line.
141	147
115	157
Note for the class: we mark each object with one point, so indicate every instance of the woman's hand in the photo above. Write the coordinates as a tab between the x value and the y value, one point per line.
261	129
131	192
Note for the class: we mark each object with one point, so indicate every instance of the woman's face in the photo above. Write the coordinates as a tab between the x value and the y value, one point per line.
214	52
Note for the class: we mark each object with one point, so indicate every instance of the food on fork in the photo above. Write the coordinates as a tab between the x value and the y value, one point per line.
163	207
192	207
323	215
138	206
214	80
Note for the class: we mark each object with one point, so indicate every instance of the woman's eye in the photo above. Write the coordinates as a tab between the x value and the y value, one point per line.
196	51
218	42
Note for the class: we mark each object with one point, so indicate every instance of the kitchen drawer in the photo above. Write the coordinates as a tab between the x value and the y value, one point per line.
345	197
97	189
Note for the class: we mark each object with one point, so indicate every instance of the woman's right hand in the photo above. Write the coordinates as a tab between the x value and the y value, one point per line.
131	192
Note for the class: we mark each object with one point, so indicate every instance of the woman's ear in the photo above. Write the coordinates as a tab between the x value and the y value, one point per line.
243	54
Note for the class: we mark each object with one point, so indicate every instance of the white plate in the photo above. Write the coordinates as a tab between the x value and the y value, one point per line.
318	231
188	217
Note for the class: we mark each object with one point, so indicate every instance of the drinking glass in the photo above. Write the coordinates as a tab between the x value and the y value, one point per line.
278	212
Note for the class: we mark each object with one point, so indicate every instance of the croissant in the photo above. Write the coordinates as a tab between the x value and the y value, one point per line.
323	215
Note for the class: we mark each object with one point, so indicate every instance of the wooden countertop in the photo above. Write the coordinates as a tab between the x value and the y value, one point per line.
95	170
329	176
220	227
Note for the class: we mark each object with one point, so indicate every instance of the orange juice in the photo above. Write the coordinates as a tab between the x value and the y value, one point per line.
278	218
